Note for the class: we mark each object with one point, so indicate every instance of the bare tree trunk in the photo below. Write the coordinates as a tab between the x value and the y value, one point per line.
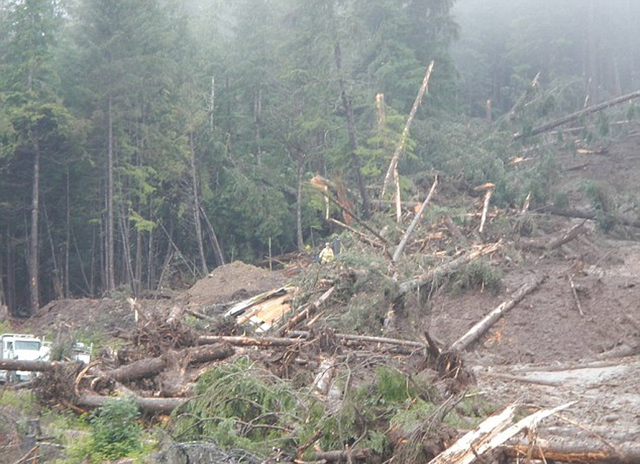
109	240
67	238
196	207
214	238
351	129
257	120
34	262
299	236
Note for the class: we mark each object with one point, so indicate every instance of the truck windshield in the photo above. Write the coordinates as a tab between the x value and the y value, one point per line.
27	345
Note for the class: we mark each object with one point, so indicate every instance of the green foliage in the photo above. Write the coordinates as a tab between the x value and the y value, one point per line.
239	406
115	430
478	274
601	199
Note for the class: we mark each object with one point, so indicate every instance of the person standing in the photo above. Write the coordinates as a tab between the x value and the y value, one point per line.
326	255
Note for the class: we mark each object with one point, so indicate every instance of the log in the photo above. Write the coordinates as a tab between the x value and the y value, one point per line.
147	405
208	353
572	117
444	270
583	453
136	370
150	367
417	217
342	455
481	327
32	366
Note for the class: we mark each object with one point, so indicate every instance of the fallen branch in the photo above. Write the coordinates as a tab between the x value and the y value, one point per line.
417	217
444	270
572	117
485	324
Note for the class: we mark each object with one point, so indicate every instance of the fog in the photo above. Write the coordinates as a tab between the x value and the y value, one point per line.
594	44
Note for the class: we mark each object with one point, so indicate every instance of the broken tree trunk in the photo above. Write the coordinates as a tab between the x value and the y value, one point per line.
485	208
481	327
490	435
572	117
403	242
444	270
405	132
583	453
147	405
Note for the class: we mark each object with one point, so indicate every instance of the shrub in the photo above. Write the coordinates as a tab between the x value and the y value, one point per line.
478	274
116	432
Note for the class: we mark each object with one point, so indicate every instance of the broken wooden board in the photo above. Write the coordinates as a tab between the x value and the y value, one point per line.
264	310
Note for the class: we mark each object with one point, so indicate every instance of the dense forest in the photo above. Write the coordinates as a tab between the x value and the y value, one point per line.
145	142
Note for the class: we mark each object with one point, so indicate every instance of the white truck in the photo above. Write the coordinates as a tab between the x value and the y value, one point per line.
21	347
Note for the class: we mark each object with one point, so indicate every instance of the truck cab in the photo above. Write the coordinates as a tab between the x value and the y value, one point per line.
21	347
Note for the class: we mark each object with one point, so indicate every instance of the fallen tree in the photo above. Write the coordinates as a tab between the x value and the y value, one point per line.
485	324
444	270
577	115
550	244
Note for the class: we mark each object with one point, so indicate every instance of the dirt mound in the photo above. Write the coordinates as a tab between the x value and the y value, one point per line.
77	316
233	282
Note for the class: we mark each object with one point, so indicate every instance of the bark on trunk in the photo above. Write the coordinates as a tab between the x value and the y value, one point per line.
147	405
109	239
34	262
196	206
351	129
